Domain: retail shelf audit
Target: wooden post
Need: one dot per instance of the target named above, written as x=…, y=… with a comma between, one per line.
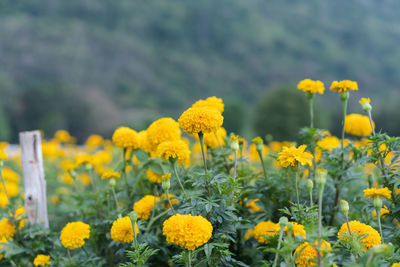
x=34, y=182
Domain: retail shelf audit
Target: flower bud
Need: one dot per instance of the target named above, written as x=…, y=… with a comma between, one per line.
x=88, y=167
x=377, y=203
x=234, y=142
x=365, y=104
x=310, y=185
x=259, y=144
x=112, y=182
x=1, y=163
x=344, y=207
x=165, y=184
x=283, y=221
x=133, y=216
x=380, y=249
x=344, y=95
x=320, y=176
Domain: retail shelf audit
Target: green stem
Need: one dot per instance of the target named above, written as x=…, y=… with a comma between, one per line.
x=297, y=191
x=262, y=163
x=378, y=213
x=174, y=166
x=115, y=197
x=279, y=246
x=344, y=108
x=201, y=139
x=123, y=172
x=234, y=179
x=311, y=200
x=153, y=219
x=321, y=193
x=69, y=256
x=169, y=201
x=370, y=121
x=189, y=258
x=311, y=105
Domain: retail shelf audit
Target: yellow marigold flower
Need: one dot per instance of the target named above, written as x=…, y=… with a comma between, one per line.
x=67, y=179
x=3, y=240
x=19, y=214
x=172, y=198
x=94, y=141
x=329, y=142
x=176, y=149
x=125, y=137
x=3, y=155
x=84, y=178
x=110, y=174
x=253, y=206
x=41, y=260
x=263, y=229
x=210, y=139
x=101, y=157
x=63, y=136
x=122, y=230
x=371, y=239
x=383, y=212
x=144, y=206
x=166, y=176
x=397, y=264
x=52, y=150
x=3, y=199
x=187, y=231
x=162, y=130
x=378, y=192
x=343, y=86
x=55, y=199
x=358, y=125
x=213, y=102
x=257, y=140
x=248, y=234
x=11, y=187
x=67, y=165
x=291, y=156
x=153, y=176
x=10, y=175
x=3, y=145
x=298, y=229
x=364, y=100
x=7, y=230
x=306, y=255
x=73, y=235
x=201, y=119
x=83, y=159
x=144, y=142
x=310, y=86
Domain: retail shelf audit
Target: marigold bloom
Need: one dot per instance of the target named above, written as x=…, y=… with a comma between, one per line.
x=291, y=156
x=172, y=198
x=3, y=155
x=383, y=212
x=210, y=139
x=19, y=214
x=52, y=149
x=153, y=176
x=63, y=136
x=187, y=231
x=343, y=86
x=7, y=230
x=397, y=264
x=371, y=239
x=125, y=137
x=83, y=159
x=358, y=125
x=67, y=165
x=101, y=157
x=201, y=119
x=329, y=142
x=144, y=142
x=378, y=192
x=94, y=141
x=310, y=86
x=73, y=234
x=144, y=206
x=213, y=102
x=176, y=149
x=3, y=199
x=41, y=260
x=164, y=129
x=364, y=100
x=122, y=230
x=253, y=206
x=11, y=187
x=298, y=229
x=263, y=229
x=110, y=174
x=306, y=255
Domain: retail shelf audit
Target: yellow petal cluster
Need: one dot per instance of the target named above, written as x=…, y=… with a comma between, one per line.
x=41, y=260
x=144, y=206
x=306, y=255
x=384, y=211
x=144, y=142
x=94, y=141
x=63, y=136
x=3, y=155
x=343, y=86
x=122, y=230
x=253, y=206
x=310, y=86
x=125, y=137
x=329, y=142
x=153, y=176
x=187, y=231
x=364, y=101
x=7, y=229
x=176, y=149
x=73, y=234
x=358, y=125
x=161, y=130
x=213, y=102
x=254, y=153
x=291, y=156
x=200, y=119
x=378, y=192
x=262, y=229
x=210, y=139
x=371, y=239
x=110, y=174
x=298, y=229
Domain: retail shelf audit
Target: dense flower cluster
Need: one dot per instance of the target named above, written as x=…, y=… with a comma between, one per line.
x=144, y=206
x=125, y=137
x=378, y=192
x=310, y=86
x=187, y=231
x=41, y=260
x=122, y=230
x=371, y=239
x=306, y=255
x=161, y=130
x=73, y=235
x=344, y=86
x=176, y=149
x=292, y=156
x=213, y=102
x=200, y=119
x=358, y=125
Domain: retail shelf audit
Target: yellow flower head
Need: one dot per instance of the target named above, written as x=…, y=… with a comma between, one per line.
x=122, y=230
x=110, y=174
x=10, y=175
x=371, y=239
x=41, y=260
x=176, y=149
x=52, y=149
x=397, y=264
x=7, y=230
x=144, y=142
x=166, y=176
x=263, y=229
x=164, y=129
x=187, y=231
x=364, y=101
x=3, y=154
x=344, y=86
x=383, y=212
x=11, y=187
x=305, y=255
x=291, y=156
x=19, y=214
x=210, y=139
x=3, y=199
x=172, y=198
x=213, y=102
x=144, y=206
x=67, y=165
x=94, y=141
x=329, y=142
x=310, y=86
x=358, y=125
x=73, y=234
x=258, y=140
x=253, y=206
x=83, y=159
x=153, y=176
x=298, y=229
x=125, y=137
x=201, y=119
x=378, y=192
x=63, y=136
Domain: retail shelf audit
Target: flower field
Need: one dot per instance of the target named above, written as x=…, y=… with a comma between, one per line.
x=187, y=193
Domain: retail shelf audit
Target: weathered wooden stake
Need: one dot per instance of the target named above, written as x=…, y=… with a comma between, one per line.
x=34, y=182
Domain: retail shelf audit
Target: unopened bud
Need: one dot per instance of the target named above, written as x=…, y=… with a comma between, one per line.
x=88, y=166
x=165, y=184
x=365, y=104
x=344, y=207
x=320, y=176
x=283, y=221
x=380, y=249
x=112, y=182
x=377, y=202
x=310, y=185
x=234, y=142
x=259, y=143
x=344, y=95
x=133, y=216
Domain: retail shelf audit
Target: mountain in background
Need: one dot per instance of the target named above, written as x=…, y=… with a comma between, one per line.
x=90, y=65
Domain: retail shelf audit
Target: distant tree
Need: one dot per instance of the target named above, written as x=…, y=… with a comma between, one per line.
x=235, y=115
x=4, y=127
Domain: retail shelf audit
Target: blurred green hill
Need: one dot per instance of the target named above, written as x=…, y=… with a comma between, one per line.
x=90, y=65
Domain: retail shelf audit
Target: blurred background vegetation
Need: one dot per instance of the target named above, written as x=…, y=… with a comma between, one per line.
x=90, y=65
